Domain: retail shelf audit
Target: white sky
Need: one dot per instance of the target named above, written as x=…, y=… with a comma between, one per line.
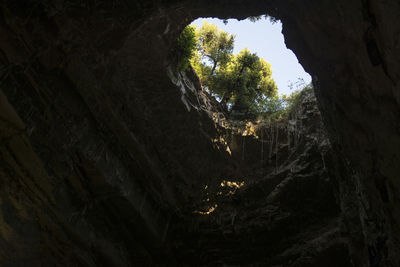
x=265, y=39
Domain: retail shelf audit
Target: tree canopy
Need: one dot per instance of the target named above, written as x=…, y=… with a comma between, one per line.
x=185, y=48
x=242, y=82
x=214, y=45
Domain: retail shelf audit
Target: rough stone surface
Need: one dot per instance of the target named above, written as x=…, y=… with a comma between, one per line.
x=284, y=213
x=102, y=148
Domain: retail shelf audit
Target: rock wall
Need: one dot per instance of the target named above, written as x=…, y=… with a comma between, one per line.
x=97, y=140
x=283, y=213
x=351, y=50
x=102, y=147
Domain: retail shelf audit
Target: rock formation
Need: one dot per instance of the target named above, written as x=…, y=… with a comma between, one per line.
x=105, y=149
x=282, y=213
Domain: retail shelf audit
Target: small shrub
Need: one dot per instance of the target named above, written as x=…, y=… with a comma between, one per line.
x=293, y=99
x=277, y=107
x=185, y=48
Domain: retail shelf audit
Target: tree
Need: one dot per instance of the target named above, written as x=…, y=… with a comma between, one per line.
x=185, y=48
x=214, y=48
x=279, y=106
x=253, y=83
x=241, y=82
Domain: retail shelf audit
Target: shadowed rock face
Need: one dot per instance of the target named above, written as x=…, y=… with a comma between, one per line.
x=282, y=211
x=103, y=149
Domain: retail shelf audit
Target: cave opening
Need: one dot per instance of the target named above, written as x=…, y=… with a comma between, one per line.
x=274, y=180
x=108, y=153
x=257, y=34
x=263, y=35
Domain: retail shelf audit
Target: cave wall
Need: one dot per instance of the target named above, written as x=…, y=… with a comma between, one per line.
x=283, y=213
x=98, y=112
x=108, y=148
x=352, y=61
x=351, y=49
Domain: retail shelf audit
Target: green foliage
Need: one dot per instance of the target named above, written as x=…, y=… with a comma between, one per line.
x=242, y=82
x=215, y=44
x=257, y=18
x=250, y=83
x=277, y=107
x=293, y=98
x=273, y=108
x=185, y=48
x=214, y=49
x=272, y=19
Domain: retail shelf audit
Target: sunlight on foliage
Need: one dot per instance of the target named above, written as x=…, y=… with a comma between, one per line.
x=242, y=82
x=277, y=107
x=185, y=48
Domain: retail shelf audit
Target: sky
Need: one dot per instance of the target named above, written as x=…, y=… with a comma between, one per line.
x=265, y=39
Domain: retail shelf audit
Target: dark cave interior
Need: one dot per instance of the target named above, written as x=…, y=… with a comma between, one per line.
x=104, y=154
